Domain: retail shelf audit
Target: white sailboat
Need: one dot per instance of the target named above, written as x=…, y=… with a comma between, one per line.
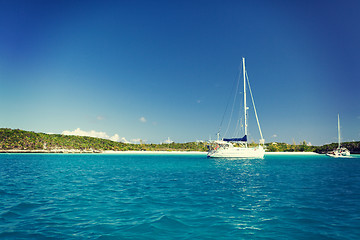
x=225, y=149
x=340, y=152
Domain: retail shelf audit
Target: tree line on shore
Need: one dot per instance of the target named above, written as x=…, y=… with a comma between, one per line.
x=354, y=147
x=16, y=139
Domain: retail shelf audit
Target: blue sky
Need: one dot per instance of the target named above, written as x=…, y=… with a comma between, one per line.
x=157, y=69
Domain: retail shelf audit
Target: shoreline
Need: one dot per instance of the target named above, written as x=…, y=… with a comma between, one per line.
x=106, y=152
x=111, y=152
x=154, y=152
x=292, y=153
x=199, y=153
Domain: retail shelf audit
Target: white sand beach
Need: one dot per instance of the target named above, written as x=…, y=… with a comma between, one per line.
x=197, y=153
x=140, y=152
x=156, y=152
x=291, y=153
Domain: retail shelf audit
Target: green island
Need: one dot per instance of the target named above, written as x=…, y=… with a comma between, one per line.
x=16, y=140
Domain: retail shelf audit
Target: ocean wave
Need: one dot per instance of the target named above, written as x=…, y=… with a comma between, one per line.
x=187, y=197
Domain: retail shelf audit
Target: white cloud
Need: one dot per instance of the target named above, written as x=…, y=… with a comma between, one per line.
x=274, y=136
x=142, y=119
x=115, y=138
x=100, y=118
x=92, y=133
x=123, y=140
x=168, y=141
x=136, y=140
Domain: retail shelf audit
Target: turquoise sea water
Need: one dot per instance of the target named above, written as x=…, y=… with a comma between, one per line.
x=64, y=196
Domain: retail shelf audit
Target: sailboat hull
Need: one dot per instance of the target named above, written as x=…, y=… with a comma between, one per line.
x=238, y=152
x=339, y=153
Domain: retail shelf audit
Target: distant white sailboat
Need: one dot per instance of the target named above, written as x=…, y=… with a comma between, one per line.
x=340, y=152
x=225, y=149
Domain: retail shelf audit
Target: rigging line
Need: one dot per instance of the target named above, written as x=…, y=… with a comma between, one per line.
x=252, y=99
x=238, y=128
x=239, y=125
x=232, y=110
x=227, y=105
x=237, y=119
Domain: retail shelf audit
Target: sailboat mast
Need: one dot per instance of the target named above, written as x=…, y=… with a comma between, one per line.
x=338, y=131
x=245, y=107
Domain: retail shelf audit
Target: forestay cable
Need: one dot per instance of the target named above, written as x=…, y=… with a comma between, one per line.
x=252, y=99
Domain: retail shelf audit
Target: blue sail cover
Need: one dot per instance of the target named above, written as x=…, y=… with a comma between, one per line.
x=243, y=139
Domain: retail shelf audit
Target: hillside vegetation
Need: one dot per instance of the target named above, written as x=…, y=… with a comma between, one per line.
x=354, y=147
x=15, y=139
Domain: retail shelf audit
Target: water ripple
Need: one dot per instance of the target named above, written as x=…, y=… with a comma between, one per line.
x=178, y=197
